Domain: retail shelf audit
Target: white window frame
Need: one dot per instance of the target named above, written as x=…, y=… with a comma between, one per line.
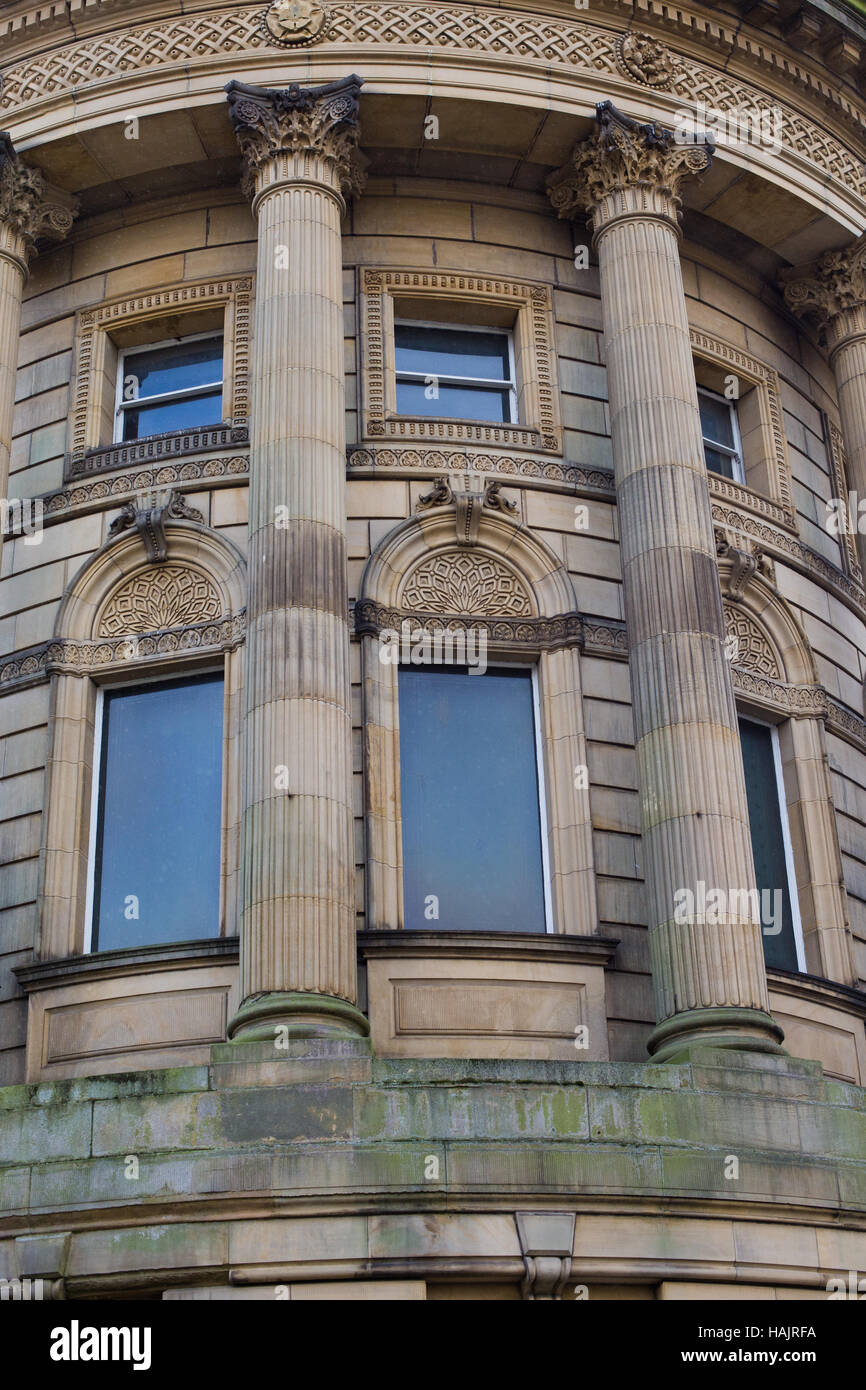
x=113, y=689
x=481, y=383
x=532, y=667
x=786, y=837
x=735, y=453
x=163, y=397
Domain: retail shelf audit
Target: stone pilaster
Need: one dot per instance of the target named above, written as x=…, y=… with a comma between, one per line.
x=27, y=212
x=708, y=967
x=298, y=911
x=833, y=291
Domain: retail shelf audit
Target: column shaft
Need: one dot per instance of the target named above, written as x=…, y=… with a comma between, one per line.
x=298, y=914
x=708, y=967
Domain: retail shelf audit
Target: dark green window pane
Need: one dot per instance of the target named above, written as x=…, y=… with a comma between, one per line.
x=158, y=833
x=470, y=801
x=716, y=423
x=768, y=846
x=451, y=352
x=454, y=402
x=139, y=422
x=176, y=368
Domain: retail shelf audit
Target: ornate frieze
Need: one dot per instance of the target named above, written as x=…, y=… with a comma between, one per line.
x=272, y=124
x=374, y=461
x=625, y=166
x=535, y=634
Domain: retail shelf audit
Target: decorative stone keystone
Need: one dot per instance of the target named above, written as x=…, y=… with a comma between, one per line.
x=709, y=977
x=832, y=291
x=28, y=212
x=298, y=972
x=546, y=1243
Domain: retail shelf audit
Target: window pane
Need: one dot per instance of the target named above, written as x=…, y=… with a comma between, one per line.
x=469, y=781
x=716, y=422
x=141, y=421
x=158, y=837
x=768, y=846
x=717, y=462
x=454, y=402
x=175, y=368
x=451, y=352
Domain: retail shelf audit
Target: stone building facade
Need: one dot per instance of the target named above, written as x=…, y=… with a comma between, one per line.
x=331, y=332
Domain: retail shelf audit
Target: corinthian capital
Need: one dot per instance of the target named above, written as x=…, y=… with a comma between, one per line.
x=298, y=132
x=27, y=209
x=626, y=167
x=830, y=286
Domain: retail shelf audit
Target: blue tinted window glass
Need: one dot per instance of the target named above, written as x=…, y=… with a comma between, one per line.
x=717, y=462
x=451, y=352
x=175, y=368
x=768, y=846
x=716, y=422
x=470, y=801
x=158, y=833
x=141, y=421
x=454, y=402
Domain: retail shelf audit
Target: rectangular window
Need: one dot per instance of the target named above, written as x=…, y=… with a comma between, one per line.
x=722, y=448
x=170, y=386
x=472, y=801
x=771, y=847
x=452, y=372
x=158, y=814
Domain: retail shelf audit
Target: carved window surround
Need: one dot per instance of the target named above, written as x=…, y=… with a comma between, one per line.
x=763, y=433
x=839, y=477
x=420, y=562
x=91, y=427
x=440, y=292
x=110, y=630
x=775, y=678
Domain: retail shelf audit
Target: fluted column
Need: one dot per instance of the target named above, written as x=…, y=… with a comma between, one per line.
x=27, y=211
x=298, y=915
x=708, y=967
x=833, y=290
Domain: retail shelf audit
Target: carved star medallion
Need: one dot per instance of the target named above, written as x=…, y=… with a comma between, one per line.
x=293, y=23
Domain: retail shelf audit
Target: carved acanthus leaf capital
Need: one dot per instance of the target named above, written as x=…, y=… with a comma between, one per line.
x=27, y=207
x=624, y=156
x=299, y=122
x=834, y=283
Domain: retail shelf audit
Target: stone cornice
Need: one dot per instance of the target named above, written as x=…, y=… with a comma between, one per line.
x=626, y=169
x=298, y=133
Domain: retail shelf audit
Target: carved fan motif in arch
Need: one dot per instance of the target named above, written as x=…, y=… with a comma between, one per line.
x=159, y=597
x=477, y=584
x=749, y=645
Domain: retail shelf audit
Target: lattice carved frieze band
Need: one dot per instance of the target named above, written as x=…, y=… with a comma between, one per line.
x=161, y=596
x=235, y=295
x=183, y=43
x=540, y=427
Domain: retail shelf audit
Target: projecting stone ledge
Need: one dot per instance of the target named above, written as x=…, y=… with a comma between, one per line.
x=284, y=1146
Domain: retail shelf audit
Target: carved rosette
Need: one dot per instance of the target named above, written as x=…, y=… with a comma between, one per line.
x=297, y=134
x=625, y=169
x=833, y=290
x=644, y=58
x=27, y=211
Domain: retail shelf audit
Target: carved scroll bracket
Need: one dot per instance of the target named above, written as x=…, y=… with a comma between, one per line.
x=468, y=497
x=148, y=515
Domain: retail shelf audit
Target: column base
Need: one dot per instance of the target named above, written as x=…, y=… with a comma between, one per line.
x=744, y=1030
x=303, y=1015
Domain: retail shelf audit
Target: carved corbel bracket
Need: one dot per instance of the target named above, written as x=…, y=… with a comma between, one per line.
x=744, y=564
x=468, y=496
x=148, y=515
x=546, y=1243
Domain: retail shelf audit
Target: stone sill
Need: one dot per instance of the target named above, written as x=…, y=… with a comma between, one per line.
x=107, y=965
x=156, y=448
x=818, y=990
x=578, y=950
